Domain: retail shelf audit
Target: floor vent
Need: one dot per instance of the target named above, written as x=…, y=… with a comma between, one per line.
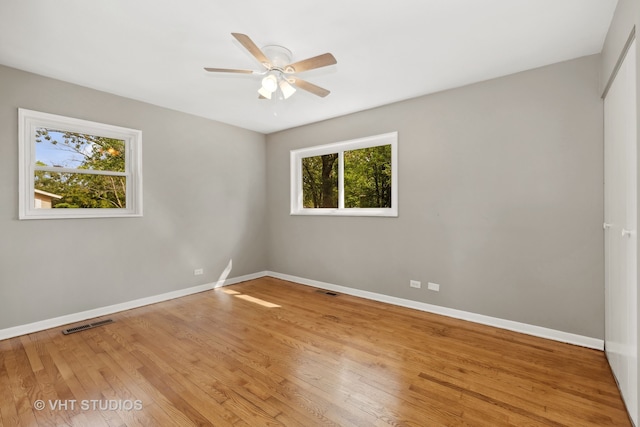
x=87, y=326
x=331, y=294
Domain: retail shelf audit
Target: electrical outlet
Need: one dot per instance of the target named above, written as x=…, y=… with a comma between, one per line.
x=433, y=287
x=415, y=284
x=198, y=272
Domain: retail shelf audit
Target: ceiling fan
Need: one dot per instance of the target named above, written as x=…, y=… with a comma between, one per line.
x=278, y=70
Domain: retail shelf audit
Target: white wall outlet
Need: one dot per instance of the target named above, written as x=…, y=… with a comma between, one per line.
x=415, y=284
x=198, y=272
x=433, y=287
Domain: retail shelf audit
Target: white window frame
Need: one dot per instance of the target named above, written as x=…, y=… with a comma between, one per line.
x=296, y=157
x=29, y=121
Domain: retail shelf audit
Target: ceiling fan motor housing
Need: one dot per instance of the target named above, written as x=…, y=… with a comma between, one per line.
x=280, y=56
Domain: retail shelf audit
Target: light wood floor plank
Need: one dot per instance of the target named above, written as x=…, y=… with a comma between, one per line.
x=8, y=412
x=22, y=384
x=275, y=353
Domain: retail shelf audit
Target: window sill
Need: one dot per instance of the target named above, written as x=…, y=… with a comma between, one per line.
x=359, y=212
x=78, y=213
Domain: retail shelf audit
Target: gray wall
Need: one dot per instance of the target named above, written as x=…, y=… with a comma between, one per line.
x=204, y=204
x=500, y=201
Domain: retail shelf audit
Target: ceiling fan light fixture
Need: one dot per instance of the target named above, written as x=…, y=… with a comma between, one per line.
x=278, y=79
x=264, y=93
x=270, y=83
x=287, y=89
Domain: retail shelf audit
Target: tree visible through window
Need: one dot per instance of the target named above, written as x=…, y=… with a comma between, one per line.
x=320, y=181
x=83, y=152
x=367, y=177
x=356, y=177
x=72, y=168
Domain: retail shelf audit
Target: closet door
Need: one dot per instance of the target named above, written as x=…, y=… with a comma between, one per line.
x=621, y=278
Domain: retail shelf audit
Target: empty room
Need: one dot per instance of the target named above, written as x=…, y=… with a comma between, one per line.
x=412, y=213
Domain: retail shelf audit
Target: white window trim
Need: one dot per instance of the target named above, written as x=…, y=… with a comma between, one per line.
x=296, y=157
x=29, y=121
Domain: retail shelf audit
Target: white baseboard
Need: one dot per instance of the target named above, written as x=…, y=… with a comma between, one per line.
x=103, y=311
x=537, y=331
x=524, y=328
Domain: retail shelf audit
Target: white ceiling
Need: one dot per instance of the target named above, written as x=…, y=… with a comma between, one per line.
x=387, y=51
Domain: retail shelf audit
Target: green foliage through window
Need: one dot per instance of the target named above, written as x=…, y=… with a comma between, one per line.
x=358, y=177
x=367, y=177
x=75, y=168
x=91, y=169
x=320, y=181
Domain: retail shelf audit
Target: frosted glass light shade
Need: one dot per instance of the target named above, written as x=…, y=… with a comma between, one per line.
x=265, y=93
x=286, y=88
x=270, y=83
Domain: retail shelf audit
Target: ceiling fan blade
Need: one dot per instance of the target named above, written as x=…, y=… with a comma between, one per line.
x=228, y=70
x=311, y=63
x=309, y=87
x=253, y=49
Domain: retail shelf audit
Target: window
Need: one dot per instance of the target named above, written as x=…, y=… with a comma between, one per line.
x=72, y=168
x=357, y=177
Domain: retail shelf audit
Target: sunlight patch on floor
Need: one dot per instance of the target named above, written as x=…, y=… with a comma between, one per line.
x=257, y=301
x=250, y=298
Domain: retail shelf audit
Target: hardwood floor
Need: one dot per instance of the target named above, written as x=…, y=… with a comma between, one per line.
x=303, y=358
